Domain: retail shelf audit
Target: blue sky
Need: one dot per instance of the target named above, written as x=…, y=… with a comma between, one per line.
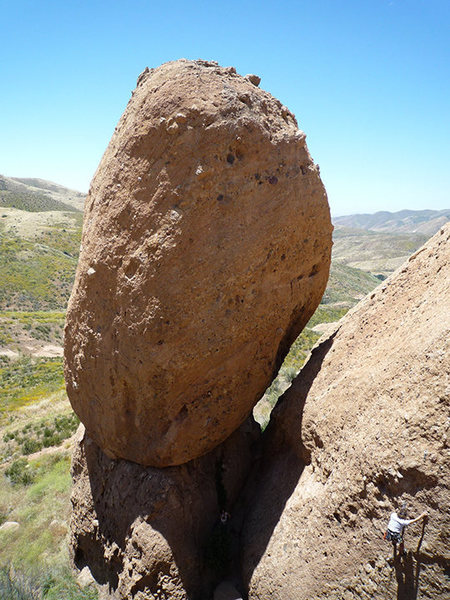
x=369, y=82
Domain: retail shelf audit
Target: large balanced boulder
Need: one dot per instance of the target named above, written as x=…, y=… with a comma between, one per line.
x=205, y=250
x=363, y=430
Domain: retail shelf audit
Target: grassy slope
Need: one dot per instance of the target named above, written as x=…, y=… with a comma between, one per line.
x=27, y=380
x=38, y=195
x=31, y=201
x=348, y=284
x=19, y=328
x=38, y=258
x=37, y=563
x=35, y=492
x=37, y=274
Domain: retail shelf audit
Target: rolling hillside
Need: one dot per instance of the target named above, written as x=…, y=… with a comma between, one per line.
x=379, y=253
x=38, y=257
x=425, y=222
x=37, y=195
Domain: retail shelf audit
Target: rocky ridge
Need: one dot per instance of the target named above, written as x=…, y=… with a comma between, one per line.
x=363, y=430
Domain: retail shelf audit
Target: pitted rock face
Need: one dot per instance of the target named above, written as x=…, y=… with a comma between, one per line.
x=362, y=431
x=206, y=249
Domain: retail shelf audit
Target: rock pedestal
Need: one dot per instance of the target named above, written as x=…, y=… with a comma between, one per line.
x=146, y=532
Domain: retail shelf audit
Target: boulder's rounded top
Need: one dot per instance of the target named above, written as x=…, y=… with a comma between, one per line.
x=204, y=86
x=173, y=67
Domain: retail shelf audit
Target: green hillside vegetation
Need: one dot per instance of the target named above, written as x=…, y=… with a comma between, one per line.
x=40, y=325
x=347, y=285
x=32, y=202
x=37, y=497
x=27, y=380
x=44, y=433
x=35, y=489
x=37, y=274
x=36, y=195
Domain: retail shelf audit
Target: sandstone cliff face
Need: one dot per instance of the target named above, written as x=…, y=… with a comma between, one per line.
x=146, y=532
x=206, y=249
x=363, y=429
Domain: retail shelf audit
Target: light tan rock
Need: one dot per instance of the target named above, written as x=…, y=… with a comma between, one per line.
x=58, y=528
x=205, y=250
x=146, y=532
x=9, y=526
x=84, y=578
x=363, y=429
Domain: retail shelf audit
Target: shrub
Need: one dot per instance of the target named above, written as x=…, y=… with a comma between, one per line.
x=17, y=586
x=20, y=472
x=62, y=585
x=290, y=373
x=43, y=434
x=31, y=445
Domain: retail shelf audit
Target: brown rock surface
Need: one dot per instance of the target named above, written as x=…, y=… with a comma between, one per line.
x=206, y=248
x=363, y=429
x=145, y=532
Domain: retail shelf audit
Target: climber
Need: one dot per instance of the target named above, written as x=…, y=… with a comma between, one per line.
x=396, y=525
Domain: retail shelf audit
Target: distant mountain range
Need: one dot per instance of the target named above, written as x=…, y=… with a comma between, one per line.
x=426, y=222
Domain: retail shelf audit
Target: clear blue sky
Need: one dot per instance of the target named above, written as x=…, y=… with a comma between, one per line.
x=369, y=82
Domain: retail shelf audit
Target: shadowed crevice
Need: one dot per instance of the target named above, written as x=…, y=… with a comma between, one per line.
x=276, y=471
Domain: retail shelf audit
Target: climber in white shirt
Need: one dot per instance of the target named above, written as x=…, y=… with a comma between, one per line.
x=397, y=524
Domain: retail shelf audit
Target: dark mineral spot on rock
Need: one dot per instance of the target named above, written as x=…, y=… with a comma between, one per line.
x=314, y=270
